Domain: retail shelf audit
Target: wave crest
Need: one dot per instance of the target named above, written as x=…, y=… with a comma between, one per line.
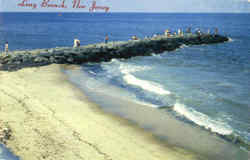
x=146, y=85
x=203, y=120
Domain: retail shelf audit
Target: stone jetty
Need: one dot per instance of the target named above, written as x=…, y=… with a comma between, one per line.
x=102, y=52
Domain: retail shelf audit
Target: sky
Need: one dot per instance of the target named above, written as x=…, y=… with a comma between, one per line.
x=232, y=6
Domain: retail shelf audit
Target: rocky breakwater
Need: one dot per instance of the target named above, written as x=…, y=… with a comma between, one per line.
x=102, y=52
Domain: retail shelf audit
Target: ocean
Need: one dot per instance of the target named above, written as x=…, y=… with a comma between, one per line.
x=205, y=86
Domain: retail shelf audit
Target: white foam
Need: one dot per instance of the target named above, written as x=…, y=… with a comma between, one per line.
x=159, y=56
x=146, y=85
x=93, y=73
x=183, y=46
x=116, y=68
x=203, y=120
x=97, y=86
x=145, y=103
x=230, y=39
x=126, y=70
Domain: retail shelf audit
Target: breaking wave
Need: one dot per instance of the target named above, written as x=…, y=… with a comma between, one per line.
x=126, y=72
x=146, y=85
x=153, y=94
x=203, y=120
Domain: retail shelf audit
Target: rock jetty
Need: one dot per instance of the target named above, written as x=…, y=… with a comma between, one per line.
x=102, y=52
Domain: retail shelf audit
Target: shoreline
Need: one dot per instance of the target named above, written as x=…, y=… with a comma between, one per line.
x=162, y=124
x=50, y=118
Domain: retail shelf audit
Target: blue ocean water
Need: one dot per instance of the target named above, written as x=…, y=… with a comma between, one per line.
x=208, y=85
x=5, y=154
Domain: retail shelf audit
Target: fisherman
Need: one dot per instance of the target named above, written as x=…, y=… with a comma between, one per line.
x=179, y=32
x=166, y=32
x=106, y=39
x=134, y=37
x=208, y=31
x=169, y=34
x=198, y=32
x=6, y=48
x=76, y=43
x=182, y=33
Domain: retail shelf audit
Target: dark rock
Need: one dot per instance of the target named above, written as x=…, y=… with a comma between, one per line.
x=103, y=52
x=70, y=60
x=40, y=59
x=52, y=60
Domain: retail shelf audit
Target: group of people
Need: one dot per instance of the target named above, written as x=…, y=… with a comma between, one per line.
x=75, y=45
x=169, y=34
x=188, y=31
x=77, y=42
x=179, y=32
x=134, y=37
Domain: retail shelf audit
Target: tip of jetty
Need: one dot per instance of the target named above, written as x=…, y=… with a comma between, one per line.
x=102, y=52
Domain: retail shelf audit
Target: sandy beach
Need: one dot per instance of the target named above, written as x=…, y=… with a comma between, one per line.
x=50, y=119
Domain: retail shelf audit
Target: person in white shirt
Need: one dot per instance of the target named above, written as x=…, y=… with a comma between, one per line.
x=166, y=32
x=76, y=43
x=179, y=32
x=6, y=47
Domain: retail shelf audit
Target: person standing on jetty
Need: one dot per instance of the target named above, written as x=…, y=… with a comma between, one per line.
x=198, y=32
x=6, y=47
x=166, y=32
x=106, y=39
x=76, y=43
x=179, y=32
x=134, y=37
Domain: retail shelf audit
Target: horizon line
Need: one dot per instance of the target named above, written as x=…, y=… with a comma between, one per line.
x=124, y=12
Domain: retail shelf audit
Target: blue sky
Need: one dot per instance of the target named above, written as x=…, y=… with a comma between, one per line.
x=233, y=6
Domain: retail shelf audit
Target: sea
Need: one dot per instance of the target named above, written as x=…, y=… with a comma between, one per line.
x=205, y=87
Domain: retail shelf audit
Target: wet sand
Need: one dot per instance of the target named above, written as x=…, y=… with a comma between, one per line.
x=51, y=119
x=161, y=122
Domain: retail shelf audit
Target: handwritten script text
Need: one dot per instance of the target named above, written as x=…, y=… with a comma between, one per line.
x=74, y=4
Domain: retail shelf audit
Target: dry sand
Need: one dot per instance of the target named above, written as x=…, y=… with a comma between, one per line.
x=51, y=119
